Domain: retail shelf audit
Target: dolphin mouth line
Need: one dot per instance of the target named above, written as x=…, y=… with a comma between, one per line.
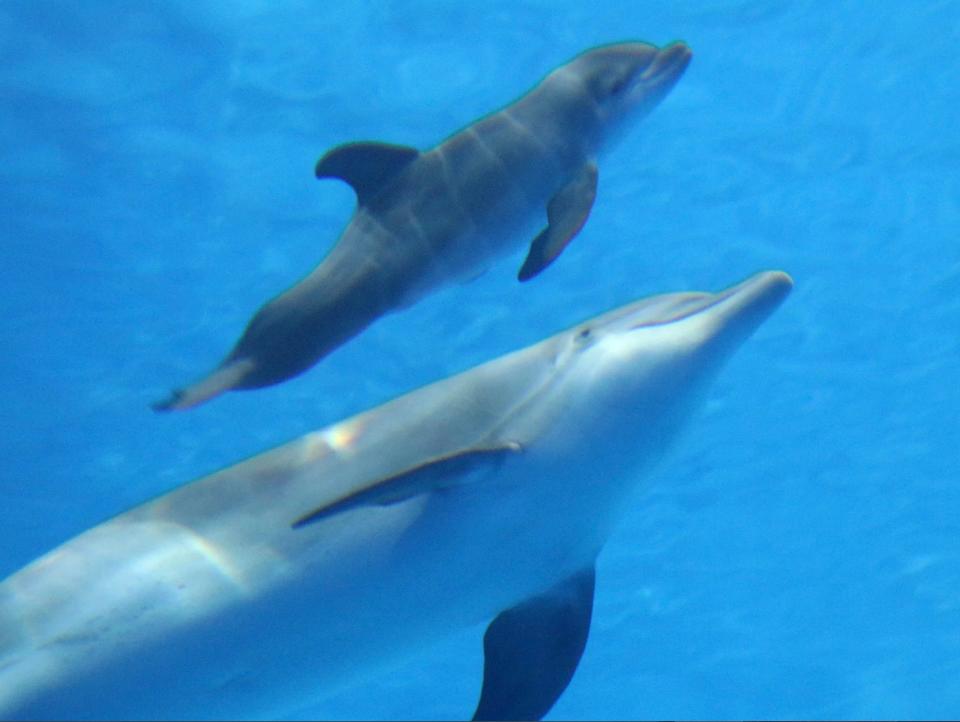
x=681, y=316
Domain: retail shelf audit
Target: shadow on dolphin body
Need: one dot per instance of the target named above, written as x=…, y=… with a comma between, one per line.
x=425, y=219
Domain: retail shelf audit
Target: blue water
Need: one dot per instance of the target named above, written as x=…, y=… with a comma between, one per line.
x=799, y=554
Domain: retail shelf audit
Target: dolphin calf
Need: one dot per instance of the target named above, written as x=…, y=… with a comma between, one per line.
x=485, y=496
x=427, y=219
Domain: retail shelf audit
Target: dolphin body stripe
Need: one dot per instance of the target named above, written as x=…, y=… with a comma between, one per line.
x=484, y=496
x=424, y=220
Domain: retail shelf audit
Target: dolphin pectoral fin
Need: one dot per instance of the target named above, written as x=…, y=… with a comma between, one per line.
x=441, y=472
x=566, y=213
x=531, y=651
x=367, y=166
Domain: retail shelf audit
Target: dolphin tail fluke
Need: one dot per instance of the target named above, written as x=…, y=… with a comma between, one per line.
x=223, y=379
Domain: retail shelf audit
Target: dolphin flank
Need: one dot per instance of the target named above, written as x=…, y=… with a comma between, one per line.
x=427, y=219
x=482, y=498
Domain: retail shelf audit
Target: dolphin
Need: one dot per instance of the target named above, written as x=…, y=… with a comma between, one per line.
x=424, y=220
x=485, y=496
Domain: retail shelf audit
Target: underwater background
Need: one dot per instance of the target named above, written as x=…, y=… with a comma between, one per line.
x=799, y=553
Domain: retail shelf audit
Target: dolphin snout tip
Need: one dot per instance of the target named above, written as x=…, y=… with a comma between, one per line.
x=768, y=287
x=778, y=279
x=782, y=282
x=678, y=50
x=677, y=54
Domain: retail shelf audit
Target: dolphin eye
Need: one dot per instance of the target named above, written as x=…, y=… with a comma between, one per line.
x=584, y=334
x=618, y=80
x=608, y=85
x=618, y=86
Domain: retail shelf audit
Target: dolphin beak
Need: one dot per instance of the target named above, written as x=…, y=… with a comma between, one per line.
x=759, y=294
x=734, y=314
x=668, y=65
x=652, y=83
x=743, y=306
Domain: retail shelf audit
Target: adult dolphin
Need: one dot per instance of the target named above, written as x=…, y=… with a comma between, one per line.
x=427, y=219
x=484, y=496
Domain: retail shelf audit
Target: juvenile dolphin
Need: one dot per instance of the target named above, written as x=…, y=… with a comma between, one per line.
x=487, y=495
x=427, y=219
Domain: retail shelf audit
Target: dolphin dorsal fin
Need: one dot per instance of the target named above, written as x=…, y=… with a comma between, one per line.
x=367, y=166
x=440, y=472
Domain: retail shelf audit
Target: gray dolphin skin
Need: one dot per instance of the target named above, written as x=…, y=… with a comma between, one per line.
x=262, y=588
x=424, y=220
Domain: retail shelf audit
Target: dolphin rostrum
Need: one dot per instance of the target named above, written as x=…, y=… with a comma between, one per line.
x=487, y=495
x=426, y=219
